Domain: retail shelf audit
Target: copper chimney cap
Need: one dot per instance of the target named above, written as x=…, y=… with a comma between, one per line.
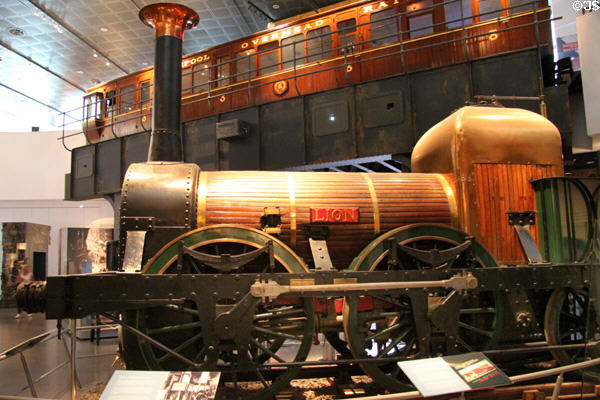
x=169, y=19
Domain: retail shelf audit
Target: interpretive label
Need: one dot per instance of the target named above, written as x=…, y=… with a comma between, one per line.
x=161, y=385
x=452, y=374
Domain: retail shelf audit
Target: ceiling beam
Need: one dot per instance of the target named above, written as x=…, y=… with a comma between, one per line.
x=250, y=30
x=36, y=100
x=389, y=166
x=31, y=60
x=260, y=11
x=136, y=5
x=73, y=32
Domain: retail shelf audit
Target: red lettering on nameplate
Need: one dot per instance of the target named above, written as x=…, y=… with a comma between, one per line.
x=334, y=215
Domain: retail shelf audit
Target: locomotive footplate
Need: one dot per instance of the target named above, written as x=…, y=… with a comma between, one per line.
x=240, y=321
x=75, y=296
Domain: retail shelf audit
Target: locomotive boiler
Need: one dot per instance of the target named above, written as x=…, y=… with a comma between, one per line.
x=484, y=244
x=474, y=167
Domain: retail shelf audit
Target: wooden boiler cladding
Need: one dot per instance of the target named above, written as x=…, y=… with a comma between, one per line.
x=384, y=202
x=355, y=207
x=490, y=154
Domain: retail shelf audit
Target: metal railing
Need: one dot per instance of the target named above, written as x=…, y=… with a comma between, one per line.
x=46, y=336
x=19, y=349
x=339, y=58
x=560, y=371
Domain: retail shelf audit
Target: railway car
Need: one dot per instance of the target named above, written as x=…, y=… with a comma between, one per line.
x=349, y=43
x=484, y=245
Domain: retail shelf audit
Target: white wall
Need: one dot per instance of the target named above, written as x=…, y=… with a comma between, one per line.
x=32, y=177
x=588, y=32
x=33, y=165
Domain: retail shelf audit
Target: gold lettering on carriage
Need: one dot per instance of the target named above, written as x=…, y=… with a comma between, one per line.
x=380, y=5
x=284, y=33
x=195, y=60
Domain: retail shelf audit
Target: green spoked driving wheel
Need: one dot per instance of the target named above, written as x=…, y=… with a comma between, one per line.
x=383, y=326
x=281, y=330
x=570, y=319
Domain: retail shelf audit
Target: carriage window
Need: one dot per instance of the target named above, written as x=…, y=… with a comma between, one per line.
x=268, y=58
x=384, y=27
x=244, y=62
x=420, y=25
x=110, y=102
x=292, y=47
x=127, y=100
x=145, y=93
x=223, y=71
x=346, y=30
x=93, y=105
x=89, y=108
x=452, y=11
x=201, y=76
x=489, y=6
x=186, y=80
x=318, y=44
x=527, y=6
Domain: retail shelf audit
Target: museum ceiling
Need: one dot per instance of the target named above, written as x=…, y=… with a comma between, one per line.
x=51, y=51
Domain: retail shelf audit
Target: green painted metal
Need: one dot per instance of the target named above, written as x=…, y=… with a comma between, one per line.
x=223, y=233
x=373, y=258
x=369, y=255
x=569, y=319
x=185, y=321
x=567, y=217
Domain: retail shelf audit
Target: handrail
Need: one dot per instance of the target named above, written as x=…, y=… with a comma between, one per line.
x=215, y=90
x=42, y=338
x=27, y=344
x=515, y=379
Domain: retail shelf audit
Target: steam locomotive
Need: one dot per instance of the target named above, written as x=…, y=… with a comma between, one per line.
x=484, y=244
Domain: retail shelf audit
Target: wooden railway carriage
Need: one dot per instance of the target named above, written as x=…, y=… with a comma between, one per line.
x=344, y=44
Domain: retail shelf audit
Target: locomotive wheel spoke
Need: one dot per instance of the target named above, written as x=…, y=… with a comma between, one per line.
x=266, y=350
x=273, y=333
x=568, y=315
x=486, y=310
x=186, y=310
x=386, y=328
x=200, y=354
x=274, y=316
x=464, y=344
x=475, y=329
x=383, y=332
x=194, y=265
x=394, y=343
x=569, y=319
x=182, y=346
x=374, y=316
x=174, y=328
x=392, y=302
x=180, y=327
x=261, y=378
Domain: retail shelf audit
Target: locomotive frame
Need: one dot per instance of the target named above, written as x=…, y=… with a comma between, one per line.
x=227, y=297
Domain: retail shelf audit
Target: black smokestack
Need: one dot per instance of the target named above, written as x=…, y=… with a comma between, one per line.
x=169, y=20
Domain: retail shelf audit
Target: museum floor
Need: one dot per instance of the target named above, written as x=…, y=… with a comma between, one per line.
x=46, y=356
